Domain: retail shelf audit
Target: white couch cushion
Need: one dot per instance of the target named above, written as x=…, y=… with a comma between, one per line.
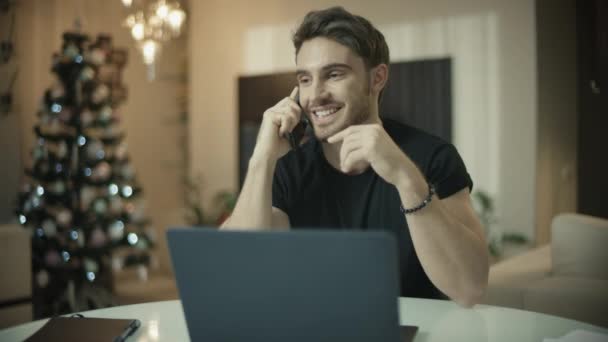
x=580, y=246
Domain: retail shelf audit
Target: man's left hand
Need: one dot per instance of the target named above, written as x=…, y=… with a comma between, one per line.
x=364, y=145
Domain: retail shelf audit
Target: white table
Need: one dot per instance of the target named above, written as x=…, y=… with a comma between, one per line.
x=437, y=321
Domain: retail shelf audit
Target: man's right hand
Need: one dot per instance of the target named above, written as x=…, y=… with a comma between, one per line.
x=277, y=122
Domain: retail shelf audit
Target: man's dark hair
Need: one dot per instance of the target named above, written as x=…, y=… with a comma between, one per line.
x=350, y=30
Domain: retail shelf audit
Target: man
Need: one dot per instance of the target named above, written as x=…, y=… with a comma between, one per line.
x=362, y=172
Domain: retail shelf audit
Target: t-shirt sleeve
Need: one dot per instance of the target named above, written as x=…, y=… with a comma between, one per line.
x=279, y=187
x=447, y=172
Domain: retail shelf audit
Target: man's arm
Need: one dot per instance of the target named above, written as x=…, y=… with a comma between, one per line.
x=450, y=243
x=253, y=209
x=447, y=235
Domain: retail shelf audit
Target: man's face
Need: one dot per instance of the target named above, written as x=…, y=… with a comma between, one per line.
x=334, y=86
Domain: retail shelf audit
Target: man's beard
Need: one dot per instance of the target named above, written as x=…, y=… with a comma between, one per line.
x=360, y=107
x=360, y=113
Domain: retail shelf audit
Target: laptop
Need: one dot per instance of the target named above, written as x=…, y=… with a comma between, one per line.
x=305, y=285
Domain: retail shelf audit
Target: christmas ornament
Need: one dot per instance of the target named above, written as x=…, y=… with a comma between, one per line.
x=100, y=94
x=58, y=187
x=49, y=227
x=71, y=51
x=142, y=273
x=117, y=263
x=100, y=206
x=142, y=244
x=86, y=118
x=65, y=116
x=90, y=265
x=42, y=278
x=36, y=201
x=120, y=152
x=87, y=194
x=95, y=150
x=105, y=114
x=116, y=205
x=27, y=207
x=62, y=150
x=57, y=91
x=87, y=74
x=116, y=230
x=38, y=153
x=98, y=238
x=52, y=258
x=108, y=74
x=102, y=171
x=64, y=217
x=96, y=56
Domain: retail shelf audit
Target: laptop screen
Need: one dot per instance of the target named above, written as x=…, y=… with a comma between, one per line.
x=279, y=286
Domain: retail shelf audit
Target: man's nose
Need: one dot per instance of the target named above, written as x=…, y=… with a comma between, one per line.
x=318, y=93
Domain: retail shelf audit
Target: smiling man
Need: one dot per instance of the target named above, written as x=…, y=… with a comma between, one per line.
x=360, y=171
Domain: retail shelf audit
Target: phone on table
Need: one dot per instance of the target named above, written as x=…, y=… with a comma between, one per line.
x=297, y=134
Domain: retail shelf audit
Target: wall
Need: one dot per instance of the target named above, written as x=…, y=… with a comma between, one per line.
x=556, y=176
x=492, y=42
x=148, y=117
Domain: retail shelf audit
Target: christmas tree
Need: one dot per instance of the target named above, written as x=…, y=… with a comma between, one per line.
x=80, y=199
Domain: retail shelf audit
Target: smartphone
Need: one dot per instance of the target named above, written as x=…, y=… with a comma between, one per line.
x=297, y=134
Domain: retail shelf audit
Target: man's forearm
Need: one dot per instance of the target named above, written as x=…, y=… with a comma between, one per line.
x=253, y=208
x=452, y=254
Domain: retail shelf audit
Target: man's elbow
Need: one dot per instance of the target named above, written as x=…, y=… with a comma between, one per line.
x=471, y=297
x=473, y=291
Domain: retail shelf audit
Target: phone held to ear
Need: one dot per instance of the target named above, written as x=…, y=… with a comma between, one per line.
x=297, y=134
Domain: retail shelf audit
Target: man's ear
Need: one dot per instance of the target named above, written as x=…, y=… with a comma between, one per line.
x=379, y=77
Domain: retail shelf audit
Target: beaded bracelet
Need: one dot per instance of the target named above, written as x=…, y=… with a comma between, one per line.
x=424, y=203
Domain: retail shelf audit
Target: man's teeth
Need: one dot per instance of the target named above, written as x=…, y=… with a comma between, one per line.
x=326, y=112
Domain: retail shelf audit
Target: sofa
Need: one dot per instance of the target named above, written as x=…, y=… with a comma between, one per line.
x=15, y=275
x=567, y=277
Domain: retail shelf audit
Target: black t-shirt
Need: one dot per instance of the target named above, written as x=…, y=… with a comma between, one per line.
x=315, y=195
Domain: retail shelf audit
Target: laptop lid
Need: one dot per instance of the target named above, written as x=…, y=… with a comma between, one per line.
x=287, y=286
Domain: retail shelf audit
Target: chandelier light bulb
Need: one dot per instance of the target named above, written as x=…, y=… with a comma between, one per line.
x=150, y=50
x=127, y=3
x=176, y=19
x=162, y=11
x=138, y=31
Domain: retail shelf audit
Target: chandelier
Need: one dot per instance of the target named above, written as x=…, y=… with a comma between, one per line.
x=153, y=23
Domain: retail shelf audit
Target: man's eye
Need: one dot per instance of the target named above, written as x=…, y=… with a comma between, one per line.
x=335, y=74
x=303, y=80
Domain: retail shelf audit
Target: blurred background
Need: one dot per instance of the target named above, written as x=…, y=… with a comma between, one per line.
x=515, y=85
